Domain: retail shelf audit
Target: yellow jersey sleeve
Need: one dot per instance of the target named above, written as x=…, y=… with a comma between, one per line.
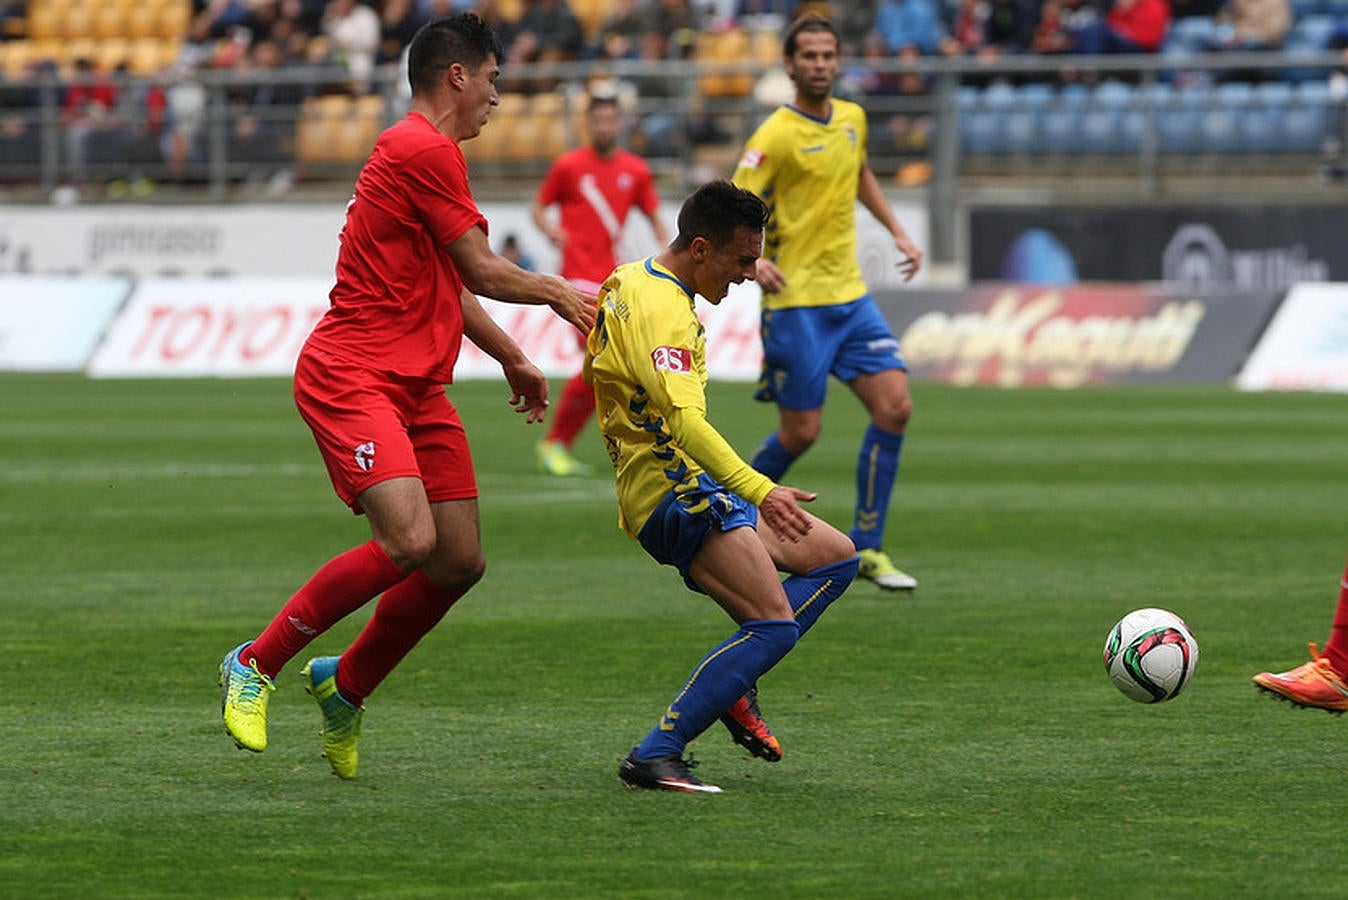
x=807, y=171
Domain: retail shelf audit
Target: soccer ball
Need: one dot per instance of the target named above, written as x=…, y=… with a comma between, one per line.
x=1150, y=655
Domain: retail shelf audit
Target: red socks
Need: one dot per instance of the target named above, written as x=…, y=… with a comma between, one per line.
x=405, y=613
x=1337, y=648
x=573, y=410
x=346, y=583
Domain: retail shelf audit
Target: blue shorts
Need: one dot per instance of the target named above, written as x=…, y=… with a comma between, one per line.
x=804, y=345
x=676, y=529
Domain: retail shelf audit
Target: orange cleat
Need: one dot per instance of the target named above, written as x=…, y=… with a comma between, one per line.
x=1315, y=684
x=748, y=728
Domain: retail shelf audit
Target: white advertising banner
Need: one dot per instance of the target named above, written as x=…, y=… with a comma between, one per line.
x=1305, y=347
x=50, y=323
x=212, y=326
x=301, y=240
x=256, y=326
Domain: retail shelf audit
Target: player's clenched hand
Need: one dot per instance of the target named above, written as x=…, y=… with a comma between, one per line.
x=781, y=510
x=576, y=307
x=528, y=390
x=768, y=276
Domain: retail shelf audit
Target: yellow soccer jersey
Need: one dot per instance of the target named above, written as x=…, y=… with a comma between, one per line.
x=807, y=171
x=646, y=359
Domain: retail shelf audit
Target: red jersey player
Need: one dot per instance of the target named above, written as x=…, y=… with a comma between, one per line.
x=370, y=384
x=593, y=188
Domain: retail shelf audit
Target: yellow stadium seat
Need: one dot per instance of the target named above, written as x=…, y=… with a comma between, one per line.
x=141, y=22
x=173, y=19
x=44, y=22
x=78, y=21
x=109, y=22
x=720, y=47
x=111, y=53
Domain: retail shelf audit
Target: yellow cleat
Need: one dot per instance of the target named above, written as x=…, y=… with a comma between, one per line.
x=341, y=720
x=555, y=459
x=879, y=568
x=1315, y=684
x=243, y=700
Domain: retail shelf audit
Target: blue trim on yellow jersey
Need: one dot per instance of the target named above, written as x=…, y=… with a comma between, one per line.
x=824, y=121
x=667, y=276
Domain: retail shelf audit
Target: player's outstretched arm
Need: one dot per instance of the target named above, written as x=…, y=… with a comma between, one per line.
x=485, y=272
x=528, y=385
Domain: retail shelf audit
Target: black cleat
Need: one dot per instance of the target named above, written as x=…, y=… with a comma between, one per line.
x=664, y=773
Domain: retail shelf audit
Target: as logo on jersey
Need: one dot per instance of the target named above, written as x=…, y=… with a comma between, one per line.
x=752, y=159
x=672, y=359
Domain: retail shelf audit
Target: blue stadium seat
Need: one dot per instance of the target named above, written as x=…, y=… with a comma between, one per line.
x=1308, y=37
x=1191, y=34
x=1303, y=8
x=1306, y=121
x=1179, y=117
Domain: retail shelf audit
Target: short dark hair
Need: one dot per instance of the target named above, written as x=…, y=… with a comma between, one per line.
x=463, y=38
x=810, y=21
x=715, y=211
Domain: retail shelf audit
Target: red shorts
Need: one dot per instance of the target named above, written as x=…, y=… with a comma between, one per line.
x=372, y=426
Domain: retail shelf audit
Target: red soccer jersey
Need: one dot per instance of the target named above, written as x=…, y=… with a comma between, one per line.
x=594, y=194
x=395, y=306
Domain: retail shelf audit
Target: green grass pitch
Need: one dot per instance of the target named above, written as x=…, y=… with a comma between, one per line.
x=960, y=742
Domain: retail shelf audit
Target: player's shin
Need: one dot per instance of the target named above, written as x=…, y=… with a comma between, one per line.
x=771, y=457
x=877, y=470
x=810, y=594
x=719, y=680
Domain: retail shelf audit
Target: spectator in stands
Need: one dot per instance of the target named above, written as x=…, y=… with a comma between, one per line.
x=490, y=11
x=399, y=21
x=914, y=24
x=141, y=110
x=680, y=22
x=218, y=16
x=1252, y=25
x=88, y=125
x=355, y=32
x=621, y=32
x=20, y=101
x=511, y=250
x=1130, y=26
x=185, y=117
x=548, y=32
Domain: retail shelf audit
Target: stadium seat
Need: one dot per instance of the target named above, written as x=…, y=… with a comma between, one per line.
x=1178, y=117
x=43, y=22
x=1308, y=37
x=723, y=47
x=1305, y=123
x=173, y=19
x=1303, y=8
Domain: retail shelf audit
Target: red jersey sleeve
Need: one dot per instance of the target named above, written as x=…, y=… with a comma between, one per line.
x=437, y=183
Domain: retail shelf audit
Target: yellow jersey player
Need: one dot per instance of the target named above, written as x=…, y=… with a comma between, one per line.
x=807, y=161
x=686, y=496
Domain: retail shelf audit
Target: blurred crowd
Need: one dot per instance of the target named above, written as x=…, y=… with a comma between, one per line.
x=160, y=120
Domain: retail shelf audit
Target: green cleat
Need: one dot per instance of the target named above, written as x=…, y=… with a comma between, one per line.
x=555, y=459
x=876, y=566
x=243, y=700
x=341, y=720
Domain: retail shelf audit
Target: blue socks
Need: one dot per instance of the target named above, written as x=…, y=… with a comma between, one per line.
x=771, y=458
x=810, y=594
x=877, y=469
x=718, y=681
